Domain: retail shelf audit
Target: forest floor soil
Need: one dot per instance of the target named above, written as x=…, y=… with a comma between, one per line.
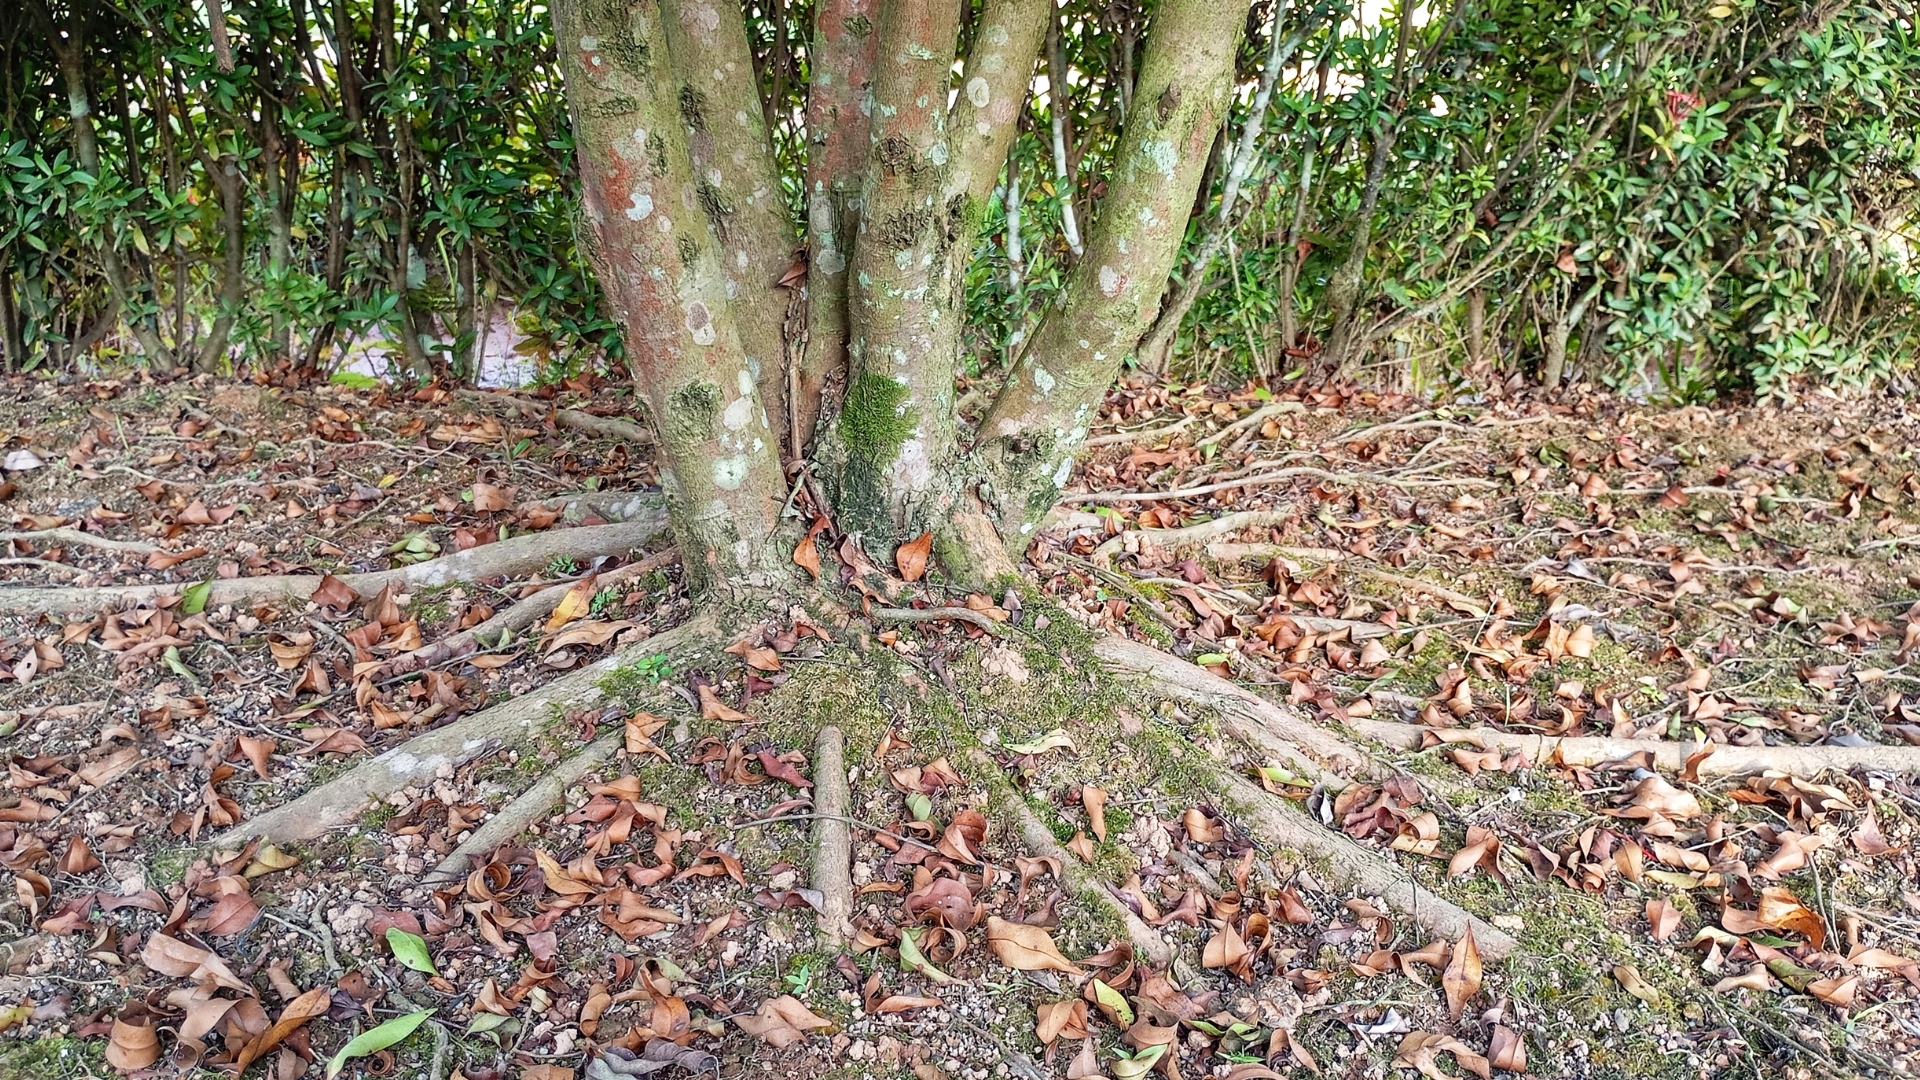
x=1739, y=576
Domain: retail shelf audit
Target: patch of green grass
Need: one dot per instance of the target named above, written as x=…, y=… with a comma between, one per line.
x=54, y=1058
x=169, y=862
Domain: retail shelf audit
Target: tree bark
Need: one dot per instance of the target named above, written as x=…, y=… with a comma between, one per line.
x=1029, y=435
x=896, y=425
x=736, y=179
x=1057, y=121
x=1157, y=350
x=659, y=260
x=1476, y=327
x=12, y=340
x=844, y=44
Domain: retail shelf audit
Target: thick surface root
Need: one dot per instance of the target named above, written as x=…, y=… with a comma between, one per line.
x=1146, y=941
x=1312, y=753
x=512, y=557
x=1359, y=869
x=519, y=815
x=1669, y=755
x=522, y=614
x=516, y=722
x=586, y=423
x=1309, y=751
x=832, y=835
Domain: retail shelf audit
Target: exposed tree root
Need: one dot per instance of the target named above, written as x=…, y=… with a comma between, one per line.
x=1191, y=536
x=519, y=815
x=1311, y=753
x=515, y=722
x=508, y=558
x=513, y=620
x=16, y=955
x=1404, y=483
x=1308, y=751
x=1230, y=552
x=604, y=506
x=84, y=539
x=1358, y=869
x=1081, y=881
x=1668, y=754
x=586, y=423
x=1141, y=434
x=832, y=836
x=1207, y=534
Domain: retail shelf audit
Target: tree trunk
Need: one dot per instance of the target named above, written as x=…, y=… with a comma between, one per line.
x=228, y=181
x=1476, y=327
x=659, y=260
x=842, y=65
x=12, y=340
x=1157, y=350
x=1057, y=122
x=887, y=264
x=69, y=52
x=736, y=180
x=1029, y=435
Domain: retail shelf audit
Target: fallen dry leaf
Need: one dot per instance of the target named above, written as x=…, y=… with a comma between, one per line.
x=782, y=1021
x=1061, y=1020
x=1662, y=918
x=712, y=708
x=133, y=1043
x=1507, y=1051
x=912, y=556
x=1095, y=800
x=1417, y=1050
x=1779, y=910
x=314, y=1002
x=171, y=956
x=577, y=602
x=1631, y=981
x=1026, y=948
x=1461, y=979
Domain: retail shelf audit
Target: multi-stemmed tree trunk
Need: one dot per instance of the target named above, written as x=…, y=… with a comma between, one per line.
x=751, y=398
x=905, y=141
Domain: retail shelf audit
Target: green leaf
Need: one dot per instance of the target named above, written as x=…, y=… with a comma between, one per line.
x=194, y=600
x=171, y=658
x=1278, y=775
x=919, y=806
x=410, y=950
x=486, y=1021
x=912, y=959
x=1210, y=658
x=1114, y=1000
x=377, y=1039
x=1138, y=1065
x=354, y=379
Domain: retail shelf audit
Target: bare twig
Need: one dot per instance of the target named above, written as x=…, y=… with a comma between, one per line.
x=938, y=614
x=514, y=619
x=1140, y=434
x=519, y=815
x=507, y=558
x=586, y=423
